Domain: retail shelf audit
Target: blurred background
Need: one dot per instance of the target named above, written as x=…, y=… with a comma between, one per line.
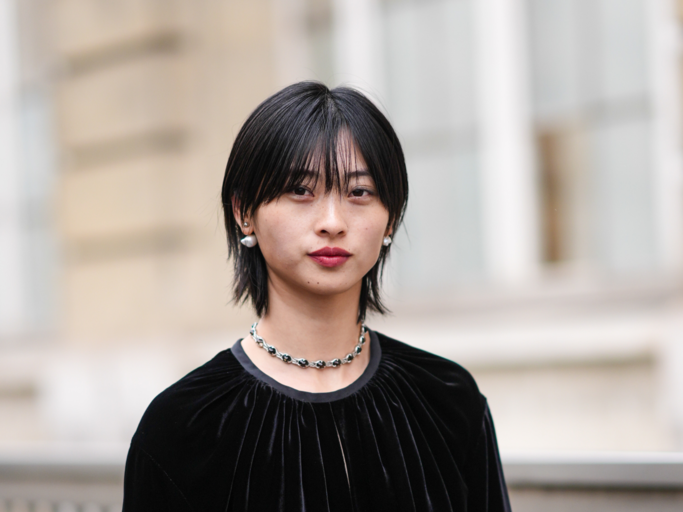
x=543, y=244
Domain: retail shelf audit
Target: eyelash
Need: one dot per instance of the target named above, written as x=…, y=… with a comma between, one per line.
x=369, y=192
x=294, y=190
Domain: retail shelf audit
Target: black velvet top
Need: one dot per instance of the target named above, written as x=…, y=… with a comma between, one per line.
x=412, y=433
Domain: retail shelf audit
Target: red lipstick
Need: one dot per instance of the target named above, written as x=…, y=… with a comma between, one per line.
x=330, y=256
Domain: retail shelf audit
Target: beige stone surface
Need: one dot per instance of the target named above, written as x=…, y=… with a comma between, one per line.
x=153, y=95
x=144, y=95
x=21, y=420
x=90, y=25
x=148, y=293
x=110, y=299
x=123, y=197
x=590, y=406
x=206, y=294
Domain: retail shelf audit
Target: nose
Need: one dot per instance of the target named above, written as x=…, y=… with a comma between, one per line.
x=331, y=221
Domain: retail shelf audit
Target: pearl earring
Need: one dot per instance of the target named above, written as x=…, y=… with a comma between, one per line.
x=246, y=224
x=387, y=241
x=249, y=241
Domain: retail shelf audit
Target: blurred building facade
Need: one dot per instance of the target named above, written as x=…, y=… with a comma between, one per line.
x=543, y=246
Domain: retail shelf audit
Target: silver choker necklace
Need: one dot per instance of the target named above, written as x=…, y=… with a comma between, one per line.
x=303, y=363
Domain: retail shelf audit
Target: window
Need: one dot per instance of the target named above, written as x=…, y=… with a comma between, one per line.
x=431, y=100
x=593, y=123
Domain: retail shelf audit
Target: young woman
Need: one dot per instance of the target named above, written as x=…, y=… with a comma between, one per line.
x=313, y=411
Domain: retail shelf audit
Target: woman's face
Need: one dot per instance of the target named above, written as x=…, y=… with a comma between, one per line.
x=321, y=243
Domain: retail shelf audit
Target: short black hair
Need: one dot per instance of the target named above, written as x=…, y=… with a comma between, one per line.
x=291, y=133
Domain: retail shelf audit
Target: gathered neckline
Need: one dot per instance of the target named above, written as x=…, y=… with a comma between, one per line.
x=309, y=396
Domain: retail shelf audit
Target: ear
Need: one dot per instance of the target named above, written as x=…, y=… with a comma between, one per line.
x=389, y=231
x=238, y=217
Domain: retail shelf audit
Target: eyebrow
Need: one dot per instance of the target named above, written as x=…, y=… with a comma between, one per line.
x=358, y=173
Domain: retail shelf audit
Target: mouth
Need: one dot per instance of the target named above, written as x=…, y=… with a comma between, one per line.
x=330, y=256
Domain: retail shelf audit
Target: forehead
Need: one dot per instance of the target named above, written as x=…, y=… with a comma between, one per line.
x=336, y=164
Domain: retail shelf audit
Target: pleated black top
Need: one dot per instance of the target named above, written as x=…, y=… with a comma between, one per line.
x=413, y=433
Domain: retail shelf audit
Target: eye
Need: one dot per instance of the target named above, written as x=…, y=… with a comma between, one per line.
x=300, y=191
x=360, y=192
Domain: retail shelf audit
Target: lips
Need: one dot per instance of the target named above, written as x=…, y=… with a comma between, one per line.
x=330, y=256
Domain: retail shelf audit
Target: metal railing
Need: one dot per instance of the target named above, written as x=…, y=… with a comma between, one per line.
x=595, y=482
x=61, y=482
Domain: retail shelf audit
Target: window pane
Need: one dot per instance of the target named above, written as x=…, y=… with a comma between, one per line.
x=431, y=91
x=430, y=65
x=623, y=207
x=622, y=60
x=556, y=71
x=443, y=245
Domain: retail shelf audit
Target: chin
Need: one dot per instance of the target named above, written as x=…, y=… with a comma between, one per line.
x=327, y=288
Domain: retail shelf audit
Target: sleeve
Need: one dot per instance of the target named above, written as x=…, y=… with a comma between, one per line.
x=147, y=487
x=483, y=474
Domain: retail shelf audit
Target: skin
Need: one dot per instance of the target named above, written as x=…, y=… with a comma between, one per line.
x=313, y=309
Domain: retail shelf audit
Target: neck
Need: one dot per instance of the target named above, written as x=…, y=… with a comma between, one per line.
x=313, y=327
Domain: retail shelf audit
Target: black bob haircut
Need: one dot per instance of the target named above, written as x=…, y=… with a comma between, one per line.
x=306, y=127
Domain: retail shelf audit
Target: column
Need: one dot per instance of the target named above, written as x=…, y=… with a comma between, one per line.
x=357, y=26
x=666, y=91
x=505, y=141
x=12, y=301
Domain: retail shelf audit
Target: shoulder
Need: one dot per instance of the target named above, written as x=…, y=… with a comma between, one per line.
x=416, y=360
x=191, y=404
x=433, y=375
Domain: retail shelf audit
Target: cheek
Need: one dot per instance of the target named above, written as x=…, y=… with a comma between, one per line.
x=373, y=233
x=380, y=222
x=277, y=235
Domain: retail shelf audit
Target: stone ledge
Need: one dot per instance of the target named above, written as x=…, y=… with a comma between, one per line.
x=603, y=470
